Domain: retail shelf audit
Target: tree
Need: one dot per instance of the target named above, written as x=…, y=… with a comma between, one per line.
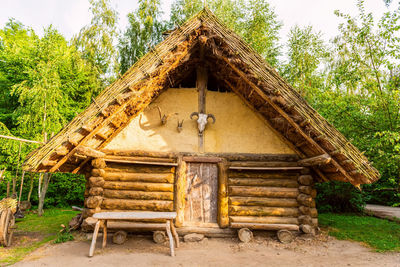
x=254, y=20
x=96, y=40
x=364, y=102
x=144, y=31
x=306, y=53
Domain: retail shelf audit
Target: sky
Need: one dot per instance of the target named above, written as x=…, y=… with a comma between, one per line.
x=69, y=16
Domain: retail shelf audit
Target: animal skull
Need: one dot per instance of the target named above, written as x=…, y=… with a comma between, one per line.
x=202, y=120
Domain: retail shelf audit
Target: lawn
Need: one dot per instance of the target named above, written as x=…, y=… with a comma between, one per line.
x=381, y=235
x=34, y=231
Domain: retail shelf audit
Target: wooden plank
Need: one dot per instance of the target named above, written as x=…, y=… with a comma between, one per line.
x=281, y=192
x=264, y=182
x=134, y=215
x=263, y=226
x=262, y=211
x=259, y=201
x=148, y=159
x=263, y=175
x=138, y=168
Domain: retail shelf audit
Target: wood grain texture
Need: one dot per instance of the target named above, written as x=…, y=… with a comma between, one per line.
x=223, y=208
x=131, y=194
x=262, y=211
x=130, y=204
x=262, y=201
x=280, y=192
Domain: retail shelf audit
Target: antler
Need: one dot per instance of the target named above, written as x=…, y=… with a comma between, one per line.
x=194, y=114
x=212, y=117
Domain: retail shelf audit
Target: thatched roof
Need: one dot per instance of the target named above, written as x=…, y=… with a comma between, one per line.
x=236, y=67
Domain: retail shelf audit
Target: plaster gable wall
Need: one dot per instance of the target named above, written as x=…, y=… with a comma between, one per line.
x=237, y=129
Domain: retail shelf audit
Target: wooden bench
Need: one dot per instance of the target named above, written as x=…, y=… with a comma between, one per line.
x=103, y=217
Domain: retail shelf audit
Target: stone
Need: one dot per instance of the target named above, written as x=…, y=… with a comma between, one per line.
x=193, y=237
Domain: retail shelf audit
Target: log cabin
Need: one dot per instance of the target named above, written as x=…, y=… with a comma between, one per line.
x=203, y=126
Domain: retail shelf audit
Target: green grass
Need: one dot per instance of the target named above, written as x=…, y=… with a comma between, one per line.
x=380, y=234
x=33, y=232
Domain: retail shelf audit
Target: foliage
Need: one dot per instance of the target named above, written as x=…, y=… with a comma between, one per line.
x=254, y=20
x=63, y=237
x=144, y=31
x=339, y=197
x=33, y=231
x=382, y=235
x=306, y=53
x=96, y=40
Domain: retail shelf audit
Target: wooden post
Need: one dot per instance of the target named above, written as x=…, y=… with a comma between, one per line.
x=223, y=216
x=180, y=184
x=201, y=85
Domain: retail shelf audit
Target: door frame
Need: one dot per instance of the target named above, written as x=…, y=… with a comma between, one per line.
x=222, y=190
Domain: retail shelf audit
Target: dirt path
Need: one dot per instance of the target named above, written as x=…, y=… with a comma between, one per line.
x=262, y=251
x=383, y=211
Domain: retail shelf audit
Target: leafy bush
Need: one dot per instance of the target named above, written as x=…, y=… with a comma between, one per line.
x=339, y=197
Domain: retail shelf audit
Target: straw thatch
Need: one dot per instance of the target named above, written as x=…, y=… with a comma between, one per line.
x=236, y=67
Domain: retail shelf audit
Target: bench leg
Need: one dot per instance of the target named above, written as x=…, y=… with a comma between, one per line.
x=175, y=234
x=171, y=240
x=104, y=234
x=93, y=245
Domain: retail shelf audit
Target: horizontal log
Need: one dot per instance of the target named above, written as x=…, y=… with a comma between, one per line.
x=98, y=163
x=228, y=156
x=263, y=191
x=263, y=226
x=316, y=161
x=98, y=172
x=158, y=187
x=137, y=168
x=264, y=219
x=140, y=177
x=258, y=201
x=308, y=190
x=305, y=180
x=96, y=191
x=262, y=211
x=96, y=181
x=305, y=200
x=89, y=152
x=93, y=202
x=141, y=162
x=264, y=182
x=128, y=194
x=129, y=204
x=266, y=168
x=202, y=159
x=146, y=159
x=262, y=175
x=263, y=164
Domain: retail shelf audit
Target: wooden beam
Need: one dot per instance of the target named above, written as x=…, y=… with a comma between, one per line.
x=285, y=115
x=315, y=161
x=266, y=168
x=141, y=162
x=89, y=152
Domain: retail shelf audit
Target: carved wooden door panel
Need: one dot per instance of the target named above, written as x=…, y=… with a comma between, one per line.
x=201, y=193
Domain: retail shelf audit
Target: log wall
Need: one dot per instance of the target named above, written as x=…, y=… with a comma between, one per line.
x=271, y=199
x=129, y=187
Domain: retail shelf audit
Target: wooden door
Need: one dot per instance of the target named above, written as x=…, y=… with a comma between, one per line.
x=201, y=193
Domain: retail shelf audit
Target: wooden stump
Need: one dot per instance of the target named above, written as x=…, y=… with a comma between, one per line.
x=159, y=237
x=245, y=235
x=285, y=236
x=119, y=237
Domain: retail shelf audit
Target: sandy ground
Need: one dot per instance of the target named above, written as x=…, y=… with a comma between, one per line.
x=383, y=211
x=261, y=251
